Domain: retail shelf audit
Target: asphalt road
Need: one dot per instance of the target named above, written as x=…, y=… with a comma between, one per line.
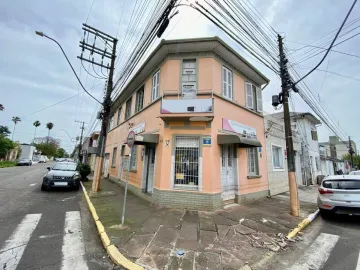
x=328, y=244
x=45, y=230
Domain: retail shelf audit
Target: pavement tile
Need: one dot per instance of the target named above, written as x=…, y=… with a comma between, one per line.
x=188, y=231
x=155, y=257
x=136, y=246
x=207, y=260
x=221, y=220
x=185, y=261
x=229, y=261
x=172, y=219
x=207, y=224
x=222, y=230
x=243, y=229
x=151, y=225
x=186, y=244
x=257, y=226
x=165, y=237
x=206, y=241
x=191, y=217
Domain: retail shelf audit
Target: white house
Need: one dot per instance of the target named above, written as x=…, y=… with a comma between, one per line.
x=276, y=155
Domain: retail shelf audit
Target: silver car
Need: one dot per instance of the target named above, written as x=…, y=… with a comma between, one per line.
x=62, y=174
x=339, y=194
x=24, y=161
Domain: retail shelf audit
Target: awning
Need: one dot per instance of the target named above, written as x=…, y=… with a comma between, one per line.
x=146, y=138
x=238, y=139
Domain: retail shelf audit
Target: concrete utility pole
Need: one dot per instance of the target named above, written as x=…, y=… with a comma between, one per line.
x=108, y=41
x=285, y=86
x=81, y=137
x=351, y=152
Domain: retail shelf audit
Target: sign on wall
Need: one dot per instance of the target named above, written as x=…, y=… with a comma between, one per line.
x=206, y=140
x=138, y=128
x=236, y=127
x=187, y=105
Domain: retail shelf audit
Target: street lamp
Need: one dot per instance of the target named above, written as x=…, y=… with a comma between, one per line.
x=68, y=135
x=41, y=34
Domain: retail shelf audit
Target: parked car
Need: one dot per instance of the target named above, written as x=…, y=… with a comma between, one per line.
x=354, y=173
x=339, y=194
x=42, y=159
x=24, y=161
x=62, y=174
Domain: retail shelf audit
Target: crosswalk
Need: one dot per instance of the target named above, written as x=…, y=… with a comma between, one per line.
x=316, y=256
x=73, y=250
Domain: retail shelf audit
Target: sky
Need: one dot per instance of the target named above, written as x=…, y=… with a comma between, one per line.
x=35, y=75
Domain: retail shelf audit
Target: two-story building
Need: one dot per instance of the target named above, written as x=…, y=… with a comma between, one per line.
x=89, y=149
x=196, y=107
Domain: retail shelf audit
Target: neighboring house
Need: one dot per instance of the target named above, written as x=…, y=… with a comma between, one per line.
x=89, y=149
x=277, y=157
x=305, y=127
x=196, y=107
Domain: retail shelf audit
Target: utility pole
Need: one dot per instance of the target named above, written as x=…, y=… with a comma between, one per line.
x=284, y=99
x=108, y=41
x=81, y=137
x=351, y=152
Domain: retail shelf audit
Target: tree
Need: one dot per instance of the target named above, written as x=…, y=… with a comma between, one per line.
x=49, y=126
x=4, y=130
x=15, y=119
x=61, y=153
x=2, y=107
x=5, y=146
x=36, y=124
x=47, y=145
x=356, y=160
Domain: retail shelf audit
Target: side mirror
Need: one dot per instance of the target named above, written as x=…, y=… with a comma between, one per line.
x=49, y=168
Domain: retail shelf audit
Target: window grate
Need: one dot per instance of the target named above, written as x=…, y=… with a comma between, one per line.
x=187, y=152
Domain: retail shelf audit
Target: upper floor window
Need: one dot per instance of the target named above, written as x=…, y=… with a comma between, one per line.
x=227, y=85
x=277, y=157
x=111, y=123
x=119, y=116
x=128, y=108
x=253, y=97
x=188, y=78
x=155, y=86
x=139, y=103
x=314, y=135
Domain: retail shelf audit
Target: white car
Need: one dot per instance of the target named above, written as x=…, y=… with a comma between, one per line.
x=339, y=194
x=24, y=161
x=354, y=173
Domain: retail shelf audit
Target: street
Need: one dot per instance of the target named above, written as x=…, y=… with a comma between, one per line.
x=45, y=230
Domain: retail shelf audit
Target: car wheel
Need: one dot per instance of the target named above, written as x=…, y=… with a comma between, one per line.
x=326, y=214
x=43, y=187
x=77, y=187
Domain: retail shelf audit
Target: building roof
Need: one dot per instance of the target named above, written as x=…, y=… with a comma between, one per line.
x=299, y=115
x=210, y=44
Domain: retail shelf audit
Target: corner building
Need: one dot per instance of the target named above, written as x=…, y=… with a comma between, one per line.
x=196, y=107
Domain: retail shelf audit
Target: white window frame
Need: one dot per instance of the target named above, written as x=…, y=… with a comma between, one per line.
x=111, y=122
x=227, y=82
x=126, y=108
x=155, y=86
x=119, y=116
x=257, y=170
x=133, y=158
x=281, y=158
x=139, y=104
x=255, y=94
x=113, y=160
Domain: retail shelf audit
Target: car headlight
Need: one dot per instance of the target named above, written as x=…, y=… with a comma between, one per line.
x=76, y=177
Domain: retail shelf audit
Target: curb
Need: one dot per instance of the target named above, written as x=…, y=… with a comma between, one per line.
x=111, y=249
x=303, y=224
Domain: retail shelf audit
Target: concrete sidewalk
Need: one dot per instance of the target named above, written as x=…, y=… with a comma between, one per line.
x=236, y=237
x=306, y=194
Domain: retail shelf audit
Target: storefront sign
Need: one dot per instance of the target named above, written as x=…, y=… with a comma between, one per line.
x=206, y=140
x=139, y=128
x=236, y=127
x=186, y=105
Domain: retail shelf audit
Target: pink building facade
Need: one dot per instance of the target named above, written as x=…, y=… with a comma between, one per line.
x=196, y=107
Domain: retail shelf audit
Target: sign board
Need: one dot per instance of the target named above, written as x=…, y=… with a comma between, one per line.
x=206, y=140
x=236, y=127
x=130, y=138
x=138, y=128
x=202, y=105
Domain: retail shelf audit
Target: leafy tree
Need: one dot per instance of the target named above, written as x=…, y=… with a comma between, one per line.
x=356, y=160
x=61, y=153
x=2, y=107
x=36, y=124
x=5, y=146
x=47, y=145
x=4, y=130
x=15, y=119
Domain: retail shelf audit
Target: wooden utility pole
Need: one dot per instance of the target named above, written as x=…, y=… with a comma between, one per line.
x=285, y=86
x=108, y=41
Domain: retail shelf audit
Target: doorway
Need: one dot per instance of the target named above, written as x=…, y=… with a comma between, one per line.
x=228, y=172
x=121, y=167
x=106, y=164
x=149, y=166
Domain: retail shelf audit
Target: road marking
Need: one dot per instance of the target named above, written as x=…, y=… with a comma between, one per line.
x=34, y=184
x=318, y=253
x=12, y=252
x=358, y=263
x=73, y=250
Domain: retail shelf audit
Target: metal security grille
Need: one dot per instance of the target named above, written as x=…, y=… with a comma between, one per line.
x=187, y=151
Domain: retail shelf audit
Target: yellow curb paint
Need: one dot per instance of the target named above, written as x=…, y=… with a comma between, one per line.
x=302, y=225
x=113, y=252
x=119, y=259
x=105, y=239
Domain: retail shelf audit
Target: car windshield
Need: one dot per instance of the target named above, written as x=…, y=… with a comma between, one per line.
x=64, y=167
x=342, y=184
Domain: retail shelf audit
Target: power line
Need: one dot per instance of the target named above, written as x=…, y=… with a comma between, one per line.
x=87, y=18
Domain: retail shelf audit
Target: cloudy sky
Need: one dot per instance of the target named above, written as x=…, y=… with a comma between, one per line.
x=34, y=74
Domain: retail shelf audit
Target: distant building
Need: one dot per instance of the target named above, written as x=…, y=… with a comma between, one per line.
x=89, y=149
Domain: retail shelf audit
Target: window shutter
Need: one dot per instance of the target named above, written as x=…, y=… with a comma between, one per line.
x=259, y=105
x=230, y=81
x=249, y=96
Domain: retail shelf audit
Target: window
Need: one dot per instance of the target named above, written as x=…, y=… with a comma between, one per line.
x=188, y=78
x=139, y=104
x=227, y=83
x=187, y=152
x=113, y=161
x=314, y=135
x=253, y=97
x=155, y=86
x=133, y=157
x=128, y=108
x=119, y=116
x=317, y=163
x=111, y=123
x=277, y=157
x=253, y=166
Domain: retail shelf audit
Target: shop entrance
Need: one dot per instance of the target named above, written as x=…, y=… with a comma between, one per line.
x=228, y=172
x=148, y=179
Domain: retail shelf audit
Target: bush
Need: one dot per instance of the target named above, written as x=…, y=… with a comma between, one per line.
x=4, y=164
x=85, y=170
